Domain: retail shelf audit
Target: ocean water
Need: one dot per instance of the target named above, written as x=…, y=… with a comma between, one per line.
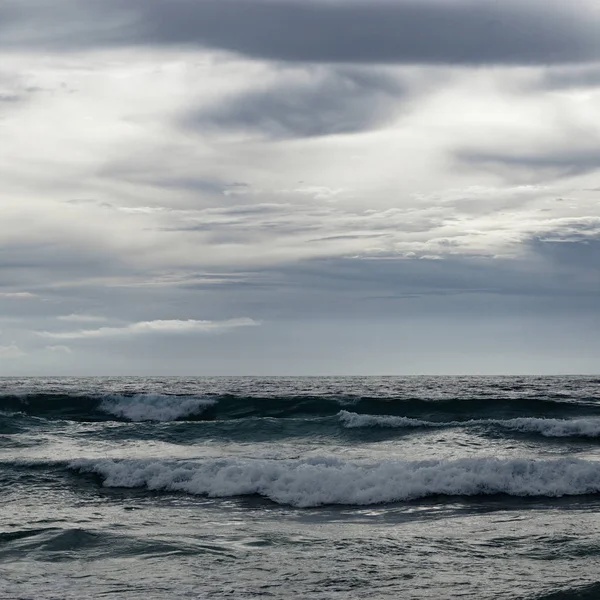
x=313, y=488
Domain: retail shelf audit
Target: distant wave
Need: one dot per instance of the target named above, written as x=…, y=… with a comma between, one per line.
x=154, y=407
x=327, y=480
x=585, y=427
x=353, y=420
x=373, y=411
x=102, y=407
x=555, y=427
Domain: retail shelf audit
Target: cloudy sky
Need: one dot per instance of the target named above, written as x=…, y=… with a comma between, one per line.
x=299, y=186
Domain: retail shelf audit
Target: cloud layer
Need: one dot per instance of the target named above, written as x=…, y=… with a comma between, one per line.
x=401, y=31
x=389, y=186
x=173, y=326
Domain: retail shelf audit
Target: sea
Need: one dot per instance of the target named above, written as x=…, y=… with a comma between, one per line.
x=323, y=488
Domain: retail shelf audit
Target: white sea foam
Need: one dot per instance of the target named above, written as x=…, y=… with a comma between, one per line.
x=322, y=481
x=587, y=427
x=352, y=420
x=154, y=407
x=555, y=427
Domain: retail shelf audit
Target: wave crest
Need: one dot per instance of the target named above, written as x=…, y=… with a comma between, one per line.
x=78, y=402
x=352, y=420
x=154, y=407
x=585, y=427
x=322, y=481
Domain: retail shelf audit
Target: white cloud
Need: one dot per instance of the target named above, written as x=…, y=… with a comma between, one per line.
x=317, y=192
x=77, y=318
x=17, y=295
x=11, y=352
x=59, y=349
x=174, y=326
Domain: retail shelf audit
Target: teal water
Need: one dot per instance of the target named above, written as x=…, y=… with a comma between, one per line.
x=300, y=487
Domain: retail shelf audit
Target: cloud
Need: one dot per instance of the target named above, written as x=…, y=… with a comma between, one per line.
x=174, y=326
x=572, y=243
x=11, y=352
x=132, y=172
x=9, y=98
x=59, y=349
x=312, y=102
x=76, y=318
x=395, y=287
x=312, y=181
x=536, y=165
x=401, y=31
x=17, y=295
x=569, y=78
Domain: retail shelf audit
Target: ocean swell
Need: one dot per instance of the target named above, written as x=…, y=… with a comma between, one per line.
x=102, y=407
x=154, y=407
x=584, y=427
x=327, y=480
x=197, y=402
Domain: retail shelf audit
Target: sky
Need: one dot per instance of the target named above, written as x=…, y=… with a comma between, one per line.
x=299, y=187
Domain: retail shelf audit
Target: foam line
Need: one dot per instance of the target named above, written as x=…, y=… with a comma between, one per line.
x=328, y=480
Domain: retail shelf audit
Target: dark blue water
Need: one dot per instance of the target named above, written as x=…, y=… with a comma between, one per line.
x=300, y=487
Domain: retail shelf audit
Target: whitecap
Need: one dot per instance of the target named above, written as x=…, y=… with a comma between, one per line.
x=316, y=482
x=154, y=407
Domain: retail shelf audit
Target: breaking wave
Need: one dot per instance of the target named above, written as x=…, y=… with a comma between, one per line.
x=326, y=481
x=585, y=427
x=385, y=412
x=154, y=407
x=102, y=407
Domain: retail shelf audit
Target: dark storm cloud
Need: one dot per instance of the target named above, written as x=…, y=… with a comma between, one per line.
x=467, y=32
x=324, y=103
x=554, y=164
